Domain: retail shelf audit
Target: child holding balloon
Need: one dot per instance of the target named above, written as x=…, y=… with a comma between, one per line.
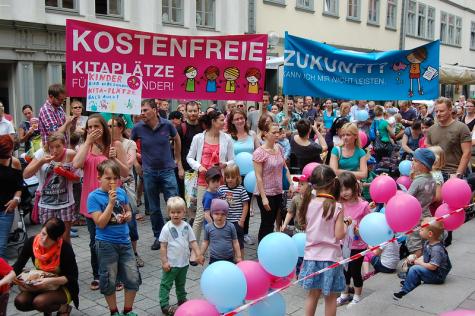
x=323, y=217
x=355, y=208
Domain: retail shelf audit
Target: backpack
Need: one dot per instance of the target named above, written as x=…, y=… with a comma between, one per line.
x=373, y=131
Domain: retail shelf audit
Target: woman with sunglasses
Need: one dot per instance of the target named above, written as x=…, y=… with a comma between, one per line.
x=76, y=111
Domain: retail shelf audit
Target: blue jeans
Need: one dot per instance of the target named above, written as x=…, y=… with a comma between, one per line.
x=6, y=221
x=378, y=266
x=156, y=181
x=417, y=274
x=117, y=261
x=91, y=228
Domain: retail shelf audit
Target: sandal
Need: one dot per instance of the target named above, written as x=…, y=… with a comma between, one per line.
x=140, y=217
x=95, y=285
x=67, y=312
x=119, y=286
x=169, y=310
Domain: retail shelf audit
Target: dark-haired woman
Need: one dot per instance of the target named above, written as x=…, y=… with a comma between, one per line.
x=11, y=182
x=410, y=139
x=49, y=253
x=210, y=148
x=305, y=149
x=96, y=148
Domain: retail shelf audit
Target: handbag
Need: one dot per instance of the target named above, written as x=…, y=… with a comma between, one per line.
x=191, y=188
x=27, y=280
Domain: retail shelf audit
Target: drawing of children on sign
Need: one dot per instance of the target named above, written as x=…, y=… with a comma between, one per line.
x=231, y=74
x=415, y=59
x=190, y=72
x=253, y=75
x=211, y=74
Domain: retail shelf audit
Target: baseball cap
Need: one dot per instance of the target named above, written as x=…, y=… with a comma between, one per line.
x=425, y=156
x=300, y=178
x=218, y=205
x=213, y=172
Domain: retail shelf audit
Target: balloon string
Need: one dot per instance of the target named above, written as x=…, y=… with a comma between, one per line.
x=342, y=262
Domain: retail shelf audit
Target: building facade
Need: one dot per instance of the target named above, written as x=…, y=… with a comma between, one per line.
x=32, y=35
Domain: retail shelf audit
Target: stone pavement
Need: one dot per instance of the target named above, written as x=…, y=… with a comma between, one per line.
x=459, y=291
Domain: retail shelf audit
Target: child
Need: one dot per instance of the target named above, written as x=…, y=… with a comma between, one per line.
x=238, y=200
x=366, y=182
x=284, y=142
x=221, y=236
x=213, y=179
x=6, y=277
x=435, y=264
x=354, y=208
x=436, y=173
x=398, y=127
x=384, y=259
x=323, y=218
x=110, y=211
x=176, y=239
x=423, y=188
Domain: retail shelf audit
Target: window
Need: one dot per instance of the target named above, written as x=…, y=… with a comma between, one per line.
x=305, y=4
x=61, y=4
x=430, y=22
x=172, y=11
x=373, y=12
x=451, y=29
x=411, y=18
x=458, y=31
x=205, y=13
x=354, y=7
x=109, y=7
x=472, y=35
x=391, y=14
x=330, y=7
x=443, y=27
x=421, y=20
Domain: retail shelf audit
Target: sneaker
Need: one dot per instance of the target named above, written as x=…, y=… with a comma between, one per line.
x=74, y=234
x=131, y=313
x=74, y=229
x=248, y=240
x=353, y=303
x=397, y=296
x=402, y=282
x=169, y=310
x=343, y=300
x=117, y=314
x=156, y=245
x=139, y=261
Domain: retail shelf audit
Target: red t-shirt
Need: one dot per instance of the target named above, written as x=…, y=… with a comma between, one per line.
x=4, y=270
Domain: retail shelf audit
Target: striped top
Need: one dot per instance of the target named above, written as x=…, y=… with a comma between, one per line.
x=236, y=197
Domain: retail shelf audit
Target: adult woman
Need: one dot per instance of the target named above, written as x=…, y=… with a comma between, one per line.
x=117, y=129
x=11, y=182
x=50, y=254
x=55, y=191
x=329, y=115
x=76, y=111
x=469, y=117
x=332, y=138
x=410, y=139
x=384, y=132
x=349, y=156
x=28, y=132
x=423, y=112
x=268, y=165
x=425, y=125
x=305, y=149
x=210, y=148
x=96, y=148
x=244, y=140
x=345, y=110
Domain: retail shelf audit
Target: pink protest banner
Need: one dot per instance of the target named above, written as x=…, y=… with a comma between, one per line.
x=230, y=67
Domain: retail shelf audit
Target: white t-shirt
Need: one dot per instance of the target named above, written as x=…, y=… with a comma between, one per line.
x=390, y=255
x=6, y=127
x=178, y=239
x=58, y=191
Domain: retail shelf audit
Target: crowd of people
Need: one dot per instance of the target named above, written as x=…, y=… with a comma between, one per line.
x=94, y=169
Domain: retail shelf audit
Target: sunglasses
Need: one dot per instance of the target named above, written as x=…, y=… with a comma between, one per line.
x=240, y=105
x=77, y=107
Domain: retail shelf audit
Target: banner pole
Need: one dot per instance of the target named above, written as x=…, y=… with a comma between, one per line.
x=112, y=129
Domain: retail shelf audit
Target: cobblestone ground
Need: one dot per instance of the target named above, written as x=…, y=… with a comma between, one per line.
x=146, y=303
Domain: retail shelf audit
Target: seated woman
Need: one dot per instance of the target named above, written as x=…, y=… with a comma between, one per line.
x=50, y=254
x=410, y=140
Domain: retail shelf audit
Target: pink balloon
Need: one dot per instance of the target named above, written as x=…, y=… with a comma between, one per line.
x=405, y=181
x=308, y=169
x=280, y=282
x=403, y=212
x=363, y=138
x=456, y=193
x=382, y=189
x=459, y=312
x=452, y=222
x=197, y=308
x=257, y=279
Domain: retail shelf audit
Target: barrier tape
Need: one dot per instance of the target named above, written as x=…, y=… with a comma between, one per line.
x=342, y=262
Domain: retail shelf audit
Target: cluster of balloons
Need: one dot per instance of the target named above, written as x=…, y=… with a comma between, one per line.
x=403, y=211
x=226, y=286
x=246, y=167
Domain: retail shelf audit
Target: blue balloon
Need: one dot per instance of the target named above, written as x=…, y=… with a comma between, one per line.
x=272, y=306
x=300, y=239
x=405, y=167
x=277, y=254
x=223, y=284
x=362, y=115
x=374, y=229
x=250, y=181
x=244, y=162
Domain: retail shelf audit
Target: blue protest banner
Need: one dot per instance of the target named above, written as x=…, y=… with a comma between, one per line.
x=316, y=69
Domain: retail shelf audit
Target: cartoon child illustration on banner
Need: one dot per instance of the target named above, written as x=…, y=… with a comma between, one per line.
x=211, y=74
x=231, y=74
x=190, y=72
x=253, y=75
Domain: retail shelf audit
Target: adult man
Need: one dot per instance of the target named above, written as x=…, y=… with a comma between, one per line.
x=408, y=113
x=288, y=119
x=52, y=116
x=158, y=165
x=312, y=111
x=163, y=108
x=454, y=138
x=299, y=106
x=253, y=117
x=6, y=127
